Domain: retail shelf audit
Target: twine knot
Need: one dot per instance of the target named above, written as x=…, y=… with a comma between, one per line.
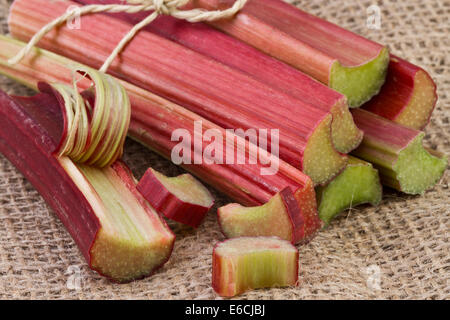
x=162, y=6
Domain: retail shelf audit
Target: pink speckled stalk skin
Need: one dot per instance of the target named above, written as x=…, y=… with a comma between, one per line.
x=295, y=215
x=165, y=202
x=379, y=131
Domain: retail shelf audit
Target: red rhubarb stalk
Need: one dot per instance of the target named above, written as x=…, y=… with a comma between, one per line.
x=241, y=182
x=30, y=130
x=408, y=97
x=236, y=54
x=334, y=56
x=182, y=199
x=223, y=95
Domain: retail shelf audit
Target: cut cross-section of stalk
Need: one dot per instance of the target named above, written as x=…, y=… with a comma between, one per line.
x=182, y=199
x=244, y=183
x=279, y=217
x=248, y=263
x=236, y=54
x=345, y=61
x=120, y=236
x=228, y=97
x=398, y=154
x=359, y=183
x=408, y=97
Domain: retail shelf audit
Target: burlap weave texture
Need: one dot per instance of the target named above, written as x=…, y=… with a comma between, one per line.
x=397, y=250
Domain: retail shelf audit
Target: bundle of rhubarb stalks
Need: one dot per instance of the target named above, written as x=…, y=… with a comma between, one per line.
x=292, y=117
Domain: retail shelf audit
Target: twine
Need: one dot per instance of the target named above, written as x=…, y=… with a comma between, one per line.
x=167, y=7
x=94, y=134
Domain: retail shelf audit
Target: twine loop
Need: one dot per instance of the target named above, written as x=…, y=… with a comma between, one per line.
x=96, y=121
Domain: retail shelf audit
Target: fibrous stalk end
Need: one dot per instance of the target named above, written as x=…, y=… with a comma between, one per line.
x=321, y=160
x=348, y=80
x=359, y=183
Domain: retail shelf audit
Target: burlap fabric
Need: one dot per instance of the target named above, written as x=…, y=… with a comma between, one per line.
x=397, y=250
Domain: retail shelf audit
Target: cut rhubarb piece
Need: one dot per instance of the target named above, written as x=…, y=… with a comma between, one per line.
x=345, y=61
x=248, y=263
x=232, y=52
x=280, y=217
x=120, y=236
x=153, y=121
x=359, y=183
x=397, y=152
x=408, y=97
x=229, y=98
x=182, y=199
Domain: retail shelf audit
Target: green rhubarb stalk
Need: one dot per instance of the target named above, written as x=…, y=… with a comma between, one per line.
x=359, y=183
x=398, y=154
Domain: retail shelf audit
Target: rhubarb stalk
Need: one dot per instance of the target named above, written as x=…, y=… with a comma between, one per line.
x=243, y=183
x=247, y=263
x=279, y=217
x=227, y=50
x=398, y=155
x=182, y=199
x=344, y=61
x=408, y=97
x=359, y=183
x=223, y=95
x=123, y=242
